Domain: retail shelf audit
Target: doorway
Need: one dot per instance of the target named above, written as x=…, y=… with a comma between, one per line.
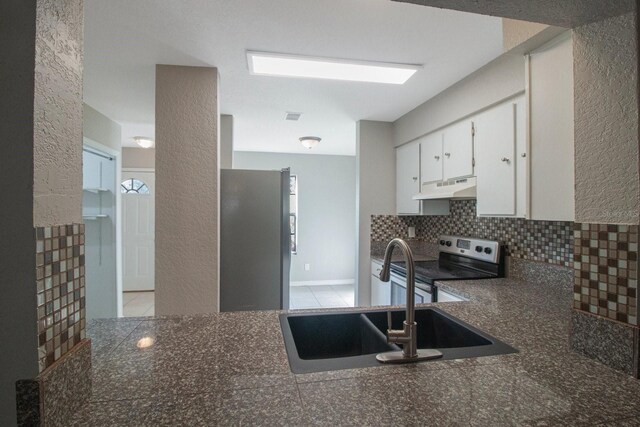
x=137, y=188
x=99, y=209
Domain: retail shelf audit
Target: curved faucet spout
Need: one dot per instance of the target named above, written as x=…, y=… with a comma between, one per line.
x=406, y=336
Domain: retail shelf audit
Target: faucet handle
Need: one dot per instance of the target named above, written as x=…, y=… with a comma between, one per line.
x=389, y=320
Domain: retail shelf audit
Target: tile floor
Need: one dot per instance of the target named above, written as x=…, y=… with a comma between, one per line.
x=138, y=304
x=324, y=296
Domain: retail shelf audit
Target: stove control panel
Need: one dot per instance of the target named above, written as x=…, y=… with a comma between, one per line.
x=485, y=250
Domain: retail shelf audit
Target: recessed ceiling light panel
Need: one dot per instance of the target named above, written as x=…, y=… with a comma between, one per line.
x=275, y=64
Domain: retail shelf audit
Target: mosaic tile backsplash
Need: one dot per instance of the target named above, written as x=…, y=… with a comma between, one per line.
x=606, y=271
x=60, y=279
x=546, y=241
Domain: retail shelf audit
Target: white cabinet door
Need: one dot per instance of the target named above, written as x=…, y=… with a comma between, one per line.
x=380, y=291
x=495, y=161
x=458, y=150
x=431, y=158
x=407, y=178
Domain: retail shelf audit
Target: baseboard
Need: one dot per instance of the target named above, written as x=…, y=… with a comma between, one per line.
x=323, y=282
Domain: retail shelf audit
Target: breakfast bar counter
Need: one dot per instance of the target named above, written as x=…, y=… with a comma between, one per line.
x=232, y=369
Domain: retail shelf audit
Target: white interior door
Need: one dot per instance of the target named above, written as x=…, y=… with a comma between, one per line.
x=138, y=230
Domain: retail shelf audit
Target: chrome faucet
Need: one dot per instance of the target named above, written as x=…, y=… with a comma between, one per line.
x=407, y=336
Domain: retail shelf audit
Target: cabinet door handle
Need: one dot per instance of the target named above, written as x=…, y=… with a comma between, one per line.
x=504, y=159
x=436, y=157
x=447, y=154
x=415, y=178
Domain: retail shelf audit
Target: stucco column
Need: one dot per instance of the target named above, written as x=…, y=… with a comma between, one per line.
x=187, y=190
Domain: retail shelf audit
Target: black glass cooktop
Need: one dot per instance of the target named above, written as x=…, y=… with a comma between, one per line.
x=431, y=271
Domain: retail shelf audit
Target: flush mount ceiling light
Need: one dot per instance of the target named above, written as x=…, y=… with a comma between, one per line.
x=143, y=141
x=276, y=64
x=310, y=141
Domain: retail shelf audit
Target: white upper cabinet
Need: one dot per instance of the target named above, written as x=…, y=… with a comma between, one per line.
x=495, y=145
x=407, y=179
x=431, y=158
x=458, y=150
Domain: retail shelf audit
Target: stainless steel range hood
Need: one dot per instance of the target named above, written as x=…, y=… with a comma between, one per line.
x=458, y=189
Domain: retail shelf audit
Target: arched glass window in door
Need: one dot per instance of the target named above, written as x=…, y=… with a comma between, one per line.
x=133, y=186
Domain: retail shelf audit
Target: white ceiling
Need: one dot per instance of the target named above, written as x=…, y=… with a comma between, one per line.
x=124, y=40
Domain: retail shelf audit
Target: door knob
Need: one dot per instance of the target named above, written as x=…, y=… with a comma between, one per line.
x=447, y=154
x=504, y=159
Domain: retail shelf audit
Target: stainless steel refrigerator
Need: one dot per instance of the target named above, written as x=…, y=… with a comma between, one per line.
x=255, y=254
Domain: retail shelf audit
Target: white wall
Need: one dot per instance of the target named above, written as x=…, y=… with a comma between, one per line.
x=133, y=157
x=496, y=81
x=326, y=209
x=187, y=190
x=516, y=32
x=551, y=130
x=100, y=128
x=375, y=193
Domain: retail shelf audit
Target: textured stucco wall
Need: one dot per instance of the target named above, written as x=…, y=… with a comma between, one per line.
x=516, y=32
x=57, y=180
x=18, y=356
x=187, y=190
x=375, y=193
x=564, y=13
x=138, y=157
x=100, y=128
x=496, y=81
x=606, y=121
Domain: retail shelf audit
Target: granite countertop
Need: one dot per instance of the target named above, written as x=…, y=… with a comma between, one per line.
x=232, y=368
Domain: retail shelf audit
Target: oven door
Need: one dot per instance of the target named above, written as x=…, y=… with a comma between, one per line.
x=399, y=292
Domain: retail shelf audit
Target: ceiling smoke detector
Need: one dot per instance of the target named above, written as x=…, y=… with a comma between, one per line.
x=310, y=141
x=292, y=116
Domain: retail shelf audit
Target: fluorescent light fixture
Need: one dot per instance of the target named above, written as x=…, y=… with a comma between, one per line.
x=143, y=141
x=275, y=64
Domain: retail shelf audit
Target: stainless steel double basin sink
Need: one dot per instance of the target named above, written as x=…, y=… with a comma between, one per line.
x=318, y=342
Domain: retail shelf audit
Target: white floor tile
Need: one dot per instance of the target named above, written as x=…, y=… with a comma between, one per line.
x=138, y=304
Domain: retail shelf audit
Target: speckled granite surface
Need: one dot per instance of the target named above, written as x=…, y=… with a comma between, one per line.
x=232, y=369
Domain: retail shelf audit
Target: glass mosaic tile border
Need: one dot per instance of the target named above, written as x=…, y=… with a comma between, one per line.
x=605, y=262
x=60, y=282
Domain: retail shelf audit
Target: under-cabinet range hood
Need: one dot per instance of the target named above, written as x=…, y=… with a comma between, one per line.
x=464, y=188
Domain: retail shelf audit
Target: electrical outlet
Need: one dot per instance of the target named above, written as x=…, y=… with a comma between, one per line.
x=307, y=267
x=412, y=232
